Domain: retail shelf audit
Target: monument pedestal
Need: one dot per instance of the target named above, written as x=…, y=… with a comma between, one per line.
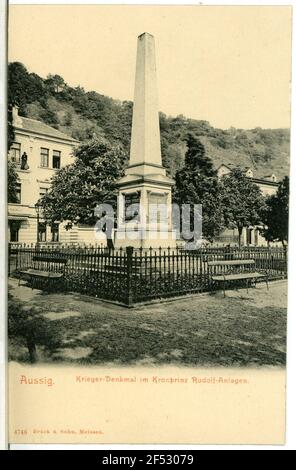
x=144, y=212
x=144, y=239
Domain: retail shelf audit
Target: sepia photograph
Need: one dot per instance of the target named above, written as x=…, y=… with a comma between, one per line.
x=148, y=211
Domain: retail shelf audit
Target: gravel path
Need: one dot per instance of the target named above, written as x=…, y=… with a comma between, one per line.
x=203, y=330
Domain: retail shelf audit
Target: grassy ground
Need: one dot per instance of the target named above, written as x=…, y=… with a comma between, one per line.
x=204, y=330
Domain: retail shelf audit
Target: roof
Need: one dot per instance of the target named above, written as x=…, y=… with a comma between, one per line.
x=231, y=165
x=266, y=182
x=256, y=179
x=224, y=164
x=39, y=127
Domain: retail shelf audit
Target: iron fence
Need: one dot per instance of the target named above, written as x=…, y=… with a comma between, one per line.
x=130, y=276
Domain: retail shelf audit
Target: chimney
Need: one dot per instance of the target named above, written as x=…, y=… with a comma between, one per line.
x=16, y=119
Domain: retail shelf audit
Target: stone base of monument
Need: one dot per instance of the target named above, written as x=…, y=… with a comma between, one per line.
x=144, y=238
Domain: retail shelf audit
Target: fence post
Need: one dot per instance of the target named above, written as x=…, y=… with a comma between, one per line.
x=129, y=276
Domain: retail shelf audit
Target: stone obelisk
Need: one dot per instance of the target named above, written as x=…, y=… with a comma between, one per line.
x=145, y=141
x=144, y=199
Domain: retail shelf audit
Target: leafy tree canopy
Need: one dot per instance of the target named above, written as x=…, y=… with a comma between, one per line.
x=77, y=188
x=23, y=87
x=12, y=181
x=243, y=202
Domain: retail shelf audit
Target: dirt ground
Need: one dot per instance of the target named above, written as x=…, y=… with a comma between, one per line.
x=243, y=329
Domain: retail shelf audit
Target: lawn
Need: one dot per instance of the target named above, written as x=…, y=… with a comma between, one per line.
x=202, y=330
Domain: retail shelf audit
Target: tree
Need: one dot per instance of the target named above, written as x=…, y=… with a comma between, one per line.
x=18, y=81
x=55, y=83
x=77, y=188
x=197, y=183
x=12, y=181
x=243, y=201
x=276, y=215
x=23, y=87
x=172, y=156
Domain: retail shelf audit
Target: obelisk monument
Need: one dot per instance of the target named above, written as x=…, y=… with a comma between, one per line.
x=144, y=192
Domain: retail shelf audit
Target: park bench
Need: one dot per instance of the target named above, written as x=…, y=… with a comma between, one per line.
x=48, y=269
x=234, y=271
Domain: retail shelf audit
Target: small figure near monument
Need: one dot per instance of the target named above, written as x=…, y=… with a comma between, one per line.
x=105, y=224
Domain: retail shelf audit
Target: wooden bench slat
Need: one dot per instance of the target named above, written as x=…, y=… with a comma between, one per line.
x=48, y=259
x=37, y=273
x=236, y=277
x=236, y=262
x=33, y=272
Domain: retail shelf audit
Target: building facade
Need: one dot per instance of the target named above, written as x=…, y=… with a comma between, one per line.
x=38, y=152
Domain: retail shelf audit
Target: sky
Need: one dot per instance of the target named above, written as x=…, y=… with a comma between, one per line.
x=228, y=65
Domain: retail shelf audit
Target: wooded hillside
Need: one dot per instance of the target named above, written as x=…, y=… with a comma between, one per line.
x=81, y=114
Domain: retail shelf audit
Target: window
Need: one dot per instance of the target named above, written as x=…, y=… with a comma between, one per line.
x=56, y=159
x=14, y=226
x=15, y=197
x=44, y=157
x=42, y=192
x=54, y=232
x=18, y=193
x=15, y=152
x=42, y=231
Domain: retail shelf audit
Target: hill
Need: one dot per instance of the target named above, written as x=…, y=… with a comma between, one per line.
x=81, y=114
